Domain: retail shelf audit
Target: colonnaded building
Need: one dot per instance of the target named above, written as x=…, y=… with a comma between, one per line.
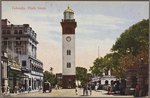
x=20, y=41
x=68, y=49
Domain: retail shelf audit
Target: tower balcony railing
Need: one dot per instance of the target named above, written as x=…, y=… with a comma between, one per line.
x=69, y=20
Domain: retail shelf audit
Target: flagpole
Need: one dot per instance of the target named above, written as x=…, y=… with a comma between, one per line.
x=98, y=51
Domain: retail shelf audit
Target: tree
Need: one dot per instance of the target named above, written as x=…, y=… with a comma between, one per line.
x=108, y=62
x=132, y=45
x=130, y=61
x=133, y=40
x=82, y=75
x=50, y=77
x=98, y=66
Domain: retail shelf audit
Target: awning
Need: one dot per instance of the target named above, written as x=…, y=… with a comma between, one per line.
x=22, y=76
x=25, y=70
x=17, y=74
x=15, y=68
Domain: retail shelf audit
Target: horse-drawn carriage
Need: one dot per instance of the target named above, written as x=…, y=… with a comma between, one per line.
x=47, y=86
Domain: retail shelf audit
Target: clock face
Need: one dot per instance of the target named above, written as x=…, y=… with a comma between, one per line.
x=68, y=38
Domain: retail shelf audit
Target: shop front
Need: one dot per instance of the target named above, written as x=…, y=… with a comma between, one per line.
x=16, y=80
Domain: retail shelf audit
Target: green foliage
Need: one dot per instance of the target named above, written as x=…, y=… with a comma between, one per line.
x=59, y=84
x=130, y=61
x=132, y=45
x=132, y=40
x=82, y=75
x=108, y=62
x=50, y=77
x=98, y=66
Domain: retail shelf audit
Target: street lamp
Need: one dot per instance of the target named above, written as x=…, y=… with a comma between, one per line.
x=141, y=60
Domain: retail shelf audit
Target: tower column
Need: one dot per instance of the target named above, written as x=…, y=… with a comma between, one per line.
x=68, y=49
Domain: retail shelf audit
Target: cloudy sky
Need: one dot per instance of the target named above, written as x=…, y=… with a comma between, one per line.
x=99, y=23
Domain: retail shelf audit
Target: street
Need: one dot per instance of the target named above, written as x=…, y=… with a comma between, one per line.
x=69, y=93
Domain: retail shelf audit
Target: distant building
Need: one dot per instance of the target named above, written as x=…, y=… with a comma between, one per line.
x=107, y=77
x=20, y=41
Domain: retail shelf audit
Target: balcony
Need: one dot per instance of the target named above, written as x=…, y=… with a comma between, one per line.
x=36, y=73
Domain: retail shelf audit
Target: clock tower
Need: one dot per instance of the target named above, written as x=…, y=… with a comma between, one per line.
x=68, y=49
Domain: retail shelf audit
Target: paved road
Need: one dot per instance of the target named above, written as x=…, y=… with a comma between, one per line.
x=69, y=93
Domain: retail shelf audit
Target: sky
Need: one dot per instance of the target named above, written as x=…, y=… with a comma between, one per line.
x=99, y=24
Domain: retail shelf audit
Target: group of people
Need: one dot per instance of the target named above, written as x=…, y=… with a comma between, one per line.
x=85, y=89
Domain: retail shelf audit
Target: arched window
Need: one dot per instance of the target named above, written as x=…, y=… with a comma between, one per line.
x=68, y=52
x=106, y=72
x=112, y=82
x=68, y=65
x=106, y=82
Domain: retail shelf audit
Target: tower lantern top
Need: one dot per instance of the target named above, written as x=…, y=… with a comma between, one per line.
x=69, y=10
x=68, y=14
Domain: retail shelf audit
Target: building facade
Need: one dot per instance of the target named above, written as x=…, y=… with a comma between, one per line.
x=14, y=74
x=4, y=76
x=20, y=41
x=107, y=77
x=68, y=49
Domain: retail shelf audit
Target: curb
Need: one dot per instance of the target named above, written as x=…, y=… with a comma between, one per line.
x=26, y=92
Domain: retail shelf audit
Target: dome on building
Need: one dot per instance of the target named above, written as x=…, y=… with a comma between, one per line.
x=69, y=10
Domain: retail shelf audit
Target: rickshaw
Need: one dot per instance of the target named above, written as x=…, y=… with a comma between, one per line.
x=47, y=86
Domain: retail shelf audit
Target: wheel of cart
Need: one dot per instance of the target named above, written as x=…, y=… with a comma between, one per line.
x=50, y=89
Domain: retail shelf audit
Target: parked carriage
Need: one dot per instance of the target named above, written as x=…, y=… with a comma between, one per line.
x=47, y=86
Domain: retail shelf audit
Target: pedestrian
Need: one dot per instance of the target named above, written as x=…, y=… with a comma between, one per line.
x=109, y=90
x=115, y=88
x=90, y=91
x=29, y=89
x=96, y=88
x=20, y=88
x=86, y=90
x=136, y=91
x=76, y=90
x=56, y=86
x=100, y=87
